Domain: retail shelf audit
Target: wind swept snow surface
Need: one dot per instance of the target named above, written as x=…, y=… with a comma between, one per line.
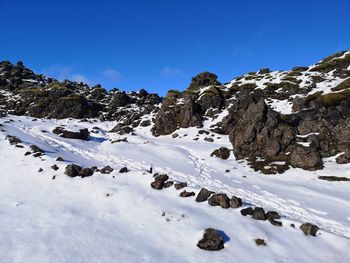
x=50, y=217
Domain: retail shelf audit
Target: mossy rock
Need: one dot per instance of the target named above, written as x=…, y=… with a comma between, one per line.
x=291, y=79
x=328, y=65
x=313, y=96
x=334, y=99
x=342, y=86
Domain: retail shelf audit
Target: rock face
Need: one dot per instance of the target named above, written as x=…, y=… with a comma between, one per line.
x=212, y=240
x=309, y=229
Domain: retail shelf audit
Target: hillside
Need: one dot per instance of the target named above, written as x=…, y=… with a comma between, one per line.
x=271, y=147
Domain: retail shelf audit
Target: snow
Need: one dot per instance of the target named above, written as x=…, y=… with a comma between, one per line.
x=282, y=106
x=120, y=218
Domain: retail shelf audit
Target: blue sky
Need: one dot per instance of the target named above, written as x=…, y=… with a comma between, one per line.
x=159, y=45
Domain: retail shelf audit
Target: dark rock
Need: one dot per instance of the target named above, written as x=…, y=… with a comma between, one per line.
x=72, y=170
x=106, y=170
x=235, y=202
x=55, y=167
x=40, y=170
x=271, y=216
x=259, y=214
x=208, y=139
x=309, y=229
x=219, y=200
x=203, y=195
x=86, y=172
x=222, y=153
x=247, y=211
x=204, y=79
x=212, y=240
x=27, y=153
x=175, y=135
x=120, y=140
x=187, y=194
x=306, y=158
x=344, y=158
x=160, y=177
x=123, y=170
x=145, y=123
x=37, y=154
x=168, y=184
x=260, y=242
x=334, y=178
x=36, y=149
x=180, y=185
x=157, y=184
x=13, y=140
x=19, y=146
x=60, y=159
x=83, y=134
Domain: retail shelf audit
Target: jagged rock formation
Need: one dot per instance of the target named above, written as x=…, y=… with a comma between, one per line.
x=276, y=119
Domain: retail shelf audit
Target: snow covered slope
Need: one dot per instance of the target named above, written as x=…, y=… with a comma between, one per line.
x=50, y=217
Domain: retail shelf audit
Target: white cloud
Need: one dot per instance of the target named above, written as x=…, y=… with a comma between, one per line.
x=112, y=75
x=171, y=72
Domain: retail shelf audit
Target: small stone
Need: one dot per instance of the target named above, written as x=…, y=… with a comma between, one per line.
x=27, y=153
x=157, y=184
x=235, y=202
x=260, y=242
x=161, y=177
x=203, y=195
x=187, y=194
x=54, y=177
x=60, y=159
x=55, y=167
x=259, y=214
x=40, y=170
x=38, y=154
x=221, y=200
x=86, y=172
x=180, y=185
x=123, y=170
x=247, y=211
x=106, y=170
x=168, y=184
x=309, y=229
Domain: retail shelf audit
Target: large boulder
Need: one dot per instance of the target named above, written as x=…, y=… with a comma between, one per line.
x=306, y=158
